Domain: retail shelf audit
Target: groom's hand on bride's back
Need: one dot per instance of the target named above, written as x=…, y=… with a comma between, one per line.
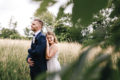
x=30, y=62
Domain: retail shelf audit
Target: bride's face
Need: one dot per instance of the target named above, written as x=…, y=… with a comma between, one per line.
x=50, y=39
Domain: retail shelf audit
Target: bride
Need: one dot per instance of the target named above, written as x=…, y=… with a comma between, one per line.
x=53, y=64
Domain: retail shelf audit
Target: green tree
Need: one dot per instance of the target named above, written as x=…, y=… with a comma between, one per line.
x=62, y=32
x=62, y=28
x=48, y=19
x=27, y=32
x=100, y=28
x=9, y=33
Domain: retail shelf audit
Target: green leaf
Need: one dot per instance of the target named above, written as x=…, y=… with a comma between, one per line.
x=116, y=11
x=84, y=10
x=75, y=70
x=93, y=69
x=43, y=6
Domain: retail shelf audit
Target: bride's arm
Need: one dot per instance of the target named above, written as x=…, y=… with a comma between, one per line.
x=50, y=52
x=47, y=49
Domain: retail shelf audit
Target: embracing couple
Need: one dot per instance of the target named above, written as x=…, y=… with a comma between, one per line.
x=43, y=54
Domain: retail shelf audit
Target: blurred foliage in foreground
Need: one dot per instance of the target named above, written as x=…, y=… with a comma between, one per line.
x=103, y=16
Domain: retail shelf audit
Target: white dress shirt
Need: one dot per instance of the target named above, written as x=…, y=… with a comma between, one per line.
x=35, y=34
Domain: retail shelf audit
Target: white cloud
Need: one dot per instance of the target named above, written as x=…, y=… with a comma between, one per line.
x=22, y=10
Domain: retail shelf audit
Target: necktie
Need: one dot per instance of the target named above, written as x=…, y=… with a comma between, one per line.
x=33, y=38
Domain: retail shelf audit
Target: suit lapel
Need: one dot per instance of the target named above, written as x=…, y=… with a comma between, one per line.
x=39, y=34
x=36, y=38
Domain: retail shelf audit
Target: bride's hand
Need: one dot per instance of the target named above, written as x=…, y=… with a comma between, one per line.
x=47, y=42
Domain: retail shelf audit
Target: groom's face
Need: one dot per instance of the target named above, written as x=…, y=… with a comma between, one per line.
x=35, y=26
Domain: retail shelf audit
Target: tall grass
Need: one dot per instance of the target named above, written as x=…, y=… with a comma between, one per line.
x=68, y=52
x=13, y=53
x=13, y=65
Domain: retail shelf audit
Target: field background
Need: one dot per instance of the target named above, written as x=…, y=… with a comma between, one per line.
x=13, y=53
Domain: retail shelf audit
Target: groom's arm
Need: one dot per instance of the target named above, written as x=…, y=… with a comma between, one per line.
x=39, y=48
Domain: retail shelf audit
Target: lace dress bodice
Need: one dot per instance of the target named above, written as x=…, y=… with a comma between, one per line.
x=53, y=64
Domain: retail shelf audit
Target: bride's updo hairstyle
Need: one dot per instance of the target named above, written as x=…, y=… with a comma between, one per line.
x=53, y=34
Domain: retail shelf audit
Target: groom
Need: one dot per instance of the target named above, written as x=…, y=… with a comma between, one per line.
x=36, y=57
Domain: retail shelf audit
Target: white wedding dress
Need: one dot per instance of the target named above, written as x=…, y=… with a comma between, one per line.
x=53, y=65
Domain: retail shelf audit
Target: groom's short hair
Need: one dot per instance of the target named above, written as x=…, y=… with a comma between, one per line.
x=40, y=21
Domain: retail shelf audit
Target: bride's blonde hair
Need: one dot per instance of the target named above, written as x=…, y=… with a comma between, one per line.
x=53, y=34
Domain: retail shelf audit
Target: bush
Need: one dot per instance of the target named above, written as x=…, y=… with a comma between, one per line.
x=62, y=32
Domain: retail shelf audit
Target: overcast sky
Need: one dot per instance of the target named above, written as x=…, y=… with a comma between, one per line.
x=22, y=11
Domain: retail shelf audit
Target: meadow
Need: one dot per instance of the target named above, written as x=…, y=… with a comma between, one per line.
x=13, y=53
